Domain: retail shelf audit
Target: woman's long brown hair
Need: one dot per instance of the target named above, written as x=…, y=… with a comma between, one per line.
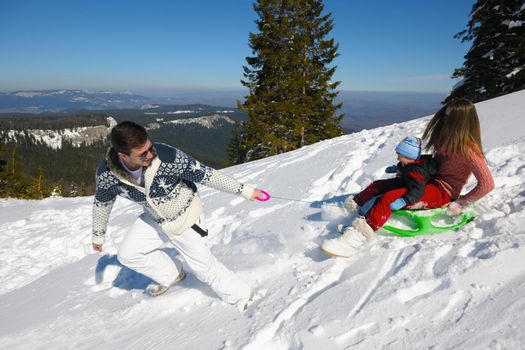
x=455, y=132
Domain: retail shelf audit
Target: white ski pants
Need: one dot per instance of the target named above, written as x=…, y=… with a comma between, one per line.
x=140, y=251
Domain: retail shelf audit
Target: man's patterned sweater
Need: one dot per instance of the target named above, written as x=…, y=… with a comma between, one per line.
x=168, y=192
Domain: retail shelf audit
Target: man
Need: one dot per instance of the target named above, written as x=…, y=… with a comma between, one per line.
x=162, y=179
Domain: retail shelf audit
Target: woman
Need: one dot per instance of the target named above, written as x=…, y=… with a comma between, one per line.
x=454, y=137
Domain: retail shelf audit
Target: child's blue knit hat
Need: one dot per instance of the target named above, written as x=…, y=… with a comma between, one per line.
x=410, y=147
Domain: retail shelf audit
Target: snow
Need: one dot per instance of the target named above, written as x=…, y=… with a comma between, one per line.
x=77, y=136
x=514, y=72
x=490, y=54
x=514, y=24
x=181, y=112
x=28, y=94
x=461, y=289
x=205, y=121
x=80, y=99
x=149, y=106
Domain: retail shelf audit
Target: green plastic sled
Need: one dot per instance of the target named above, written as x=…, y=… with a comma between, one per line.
x=424, y=222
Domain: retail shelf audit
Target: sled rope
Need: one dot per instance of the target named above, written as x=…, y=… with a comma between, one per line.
x=302, y=201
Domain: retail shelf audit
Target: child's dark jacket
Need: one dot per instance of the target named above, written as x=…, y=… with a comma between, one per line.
x=415, y=176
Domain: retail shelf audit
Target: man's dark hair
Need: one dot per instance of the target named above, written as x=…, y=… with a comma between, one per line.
x=127, y=135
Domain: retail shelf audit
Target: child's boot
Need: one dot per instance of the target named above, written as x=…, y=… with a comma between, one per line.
x=351, y=205
x=341, y=228
x=362, y=226
x=345, y=245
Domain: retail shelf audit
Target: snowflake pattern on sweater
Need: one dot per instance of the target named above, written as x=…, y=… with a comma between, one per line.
x=171, y=191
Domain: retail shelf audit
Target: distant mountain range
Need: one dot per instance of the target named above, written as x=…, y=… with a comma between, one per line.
x=362, y=109
x=371, y=109
x=40, y=101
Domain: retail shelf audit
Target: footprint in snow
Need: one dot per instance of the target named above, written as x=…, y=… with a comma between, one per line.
x=419, y=289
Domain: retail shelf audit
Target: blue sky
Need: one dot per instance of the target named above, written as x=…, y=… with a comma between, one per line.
x=158, y=47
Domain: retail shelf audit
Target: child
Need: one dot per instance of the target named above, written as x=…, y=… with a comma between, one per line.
x=414, y=171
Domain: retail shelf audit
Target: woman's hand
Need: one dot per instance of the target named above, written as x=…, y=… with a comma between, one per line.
x=454, y=208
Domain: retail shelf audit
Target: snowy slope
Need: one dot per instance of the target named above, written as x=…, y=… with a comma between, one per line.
x=454, y=290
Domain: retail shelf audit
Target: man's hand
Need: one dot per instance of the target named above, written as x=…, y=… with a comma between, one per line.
x=98, y=247
x=257, y=194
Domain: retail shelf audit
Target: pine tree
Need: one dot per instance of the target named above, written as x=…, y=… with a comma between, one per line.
x=495, y=64
x=291, y=96
x=73, y=190
x=39, y=188
x=3, y=168
x=13, y=182
x=234, y=147
x=57, y=190
x=516, y=39
x=2, y=151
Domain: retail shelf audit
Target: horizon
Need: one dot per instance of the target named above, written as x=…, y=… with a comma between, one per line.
x=165, y=47
x=218, y=90
x=355, y=102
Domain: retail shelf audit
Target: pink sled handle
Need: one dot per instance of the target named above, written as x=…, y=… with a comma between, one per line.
x=264, y=199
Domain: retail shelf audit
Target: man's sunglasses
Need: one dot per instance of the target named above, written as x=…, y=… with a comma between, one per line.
x=144, y=154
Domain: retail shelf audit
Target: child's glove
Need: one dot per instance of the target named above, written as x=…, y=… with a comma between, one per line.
x=391, y=169
x=398, y=204
x=454, y=208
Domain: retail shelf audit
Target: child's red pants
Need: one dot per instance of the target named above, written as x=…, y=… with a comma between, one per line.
x=390, y=190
